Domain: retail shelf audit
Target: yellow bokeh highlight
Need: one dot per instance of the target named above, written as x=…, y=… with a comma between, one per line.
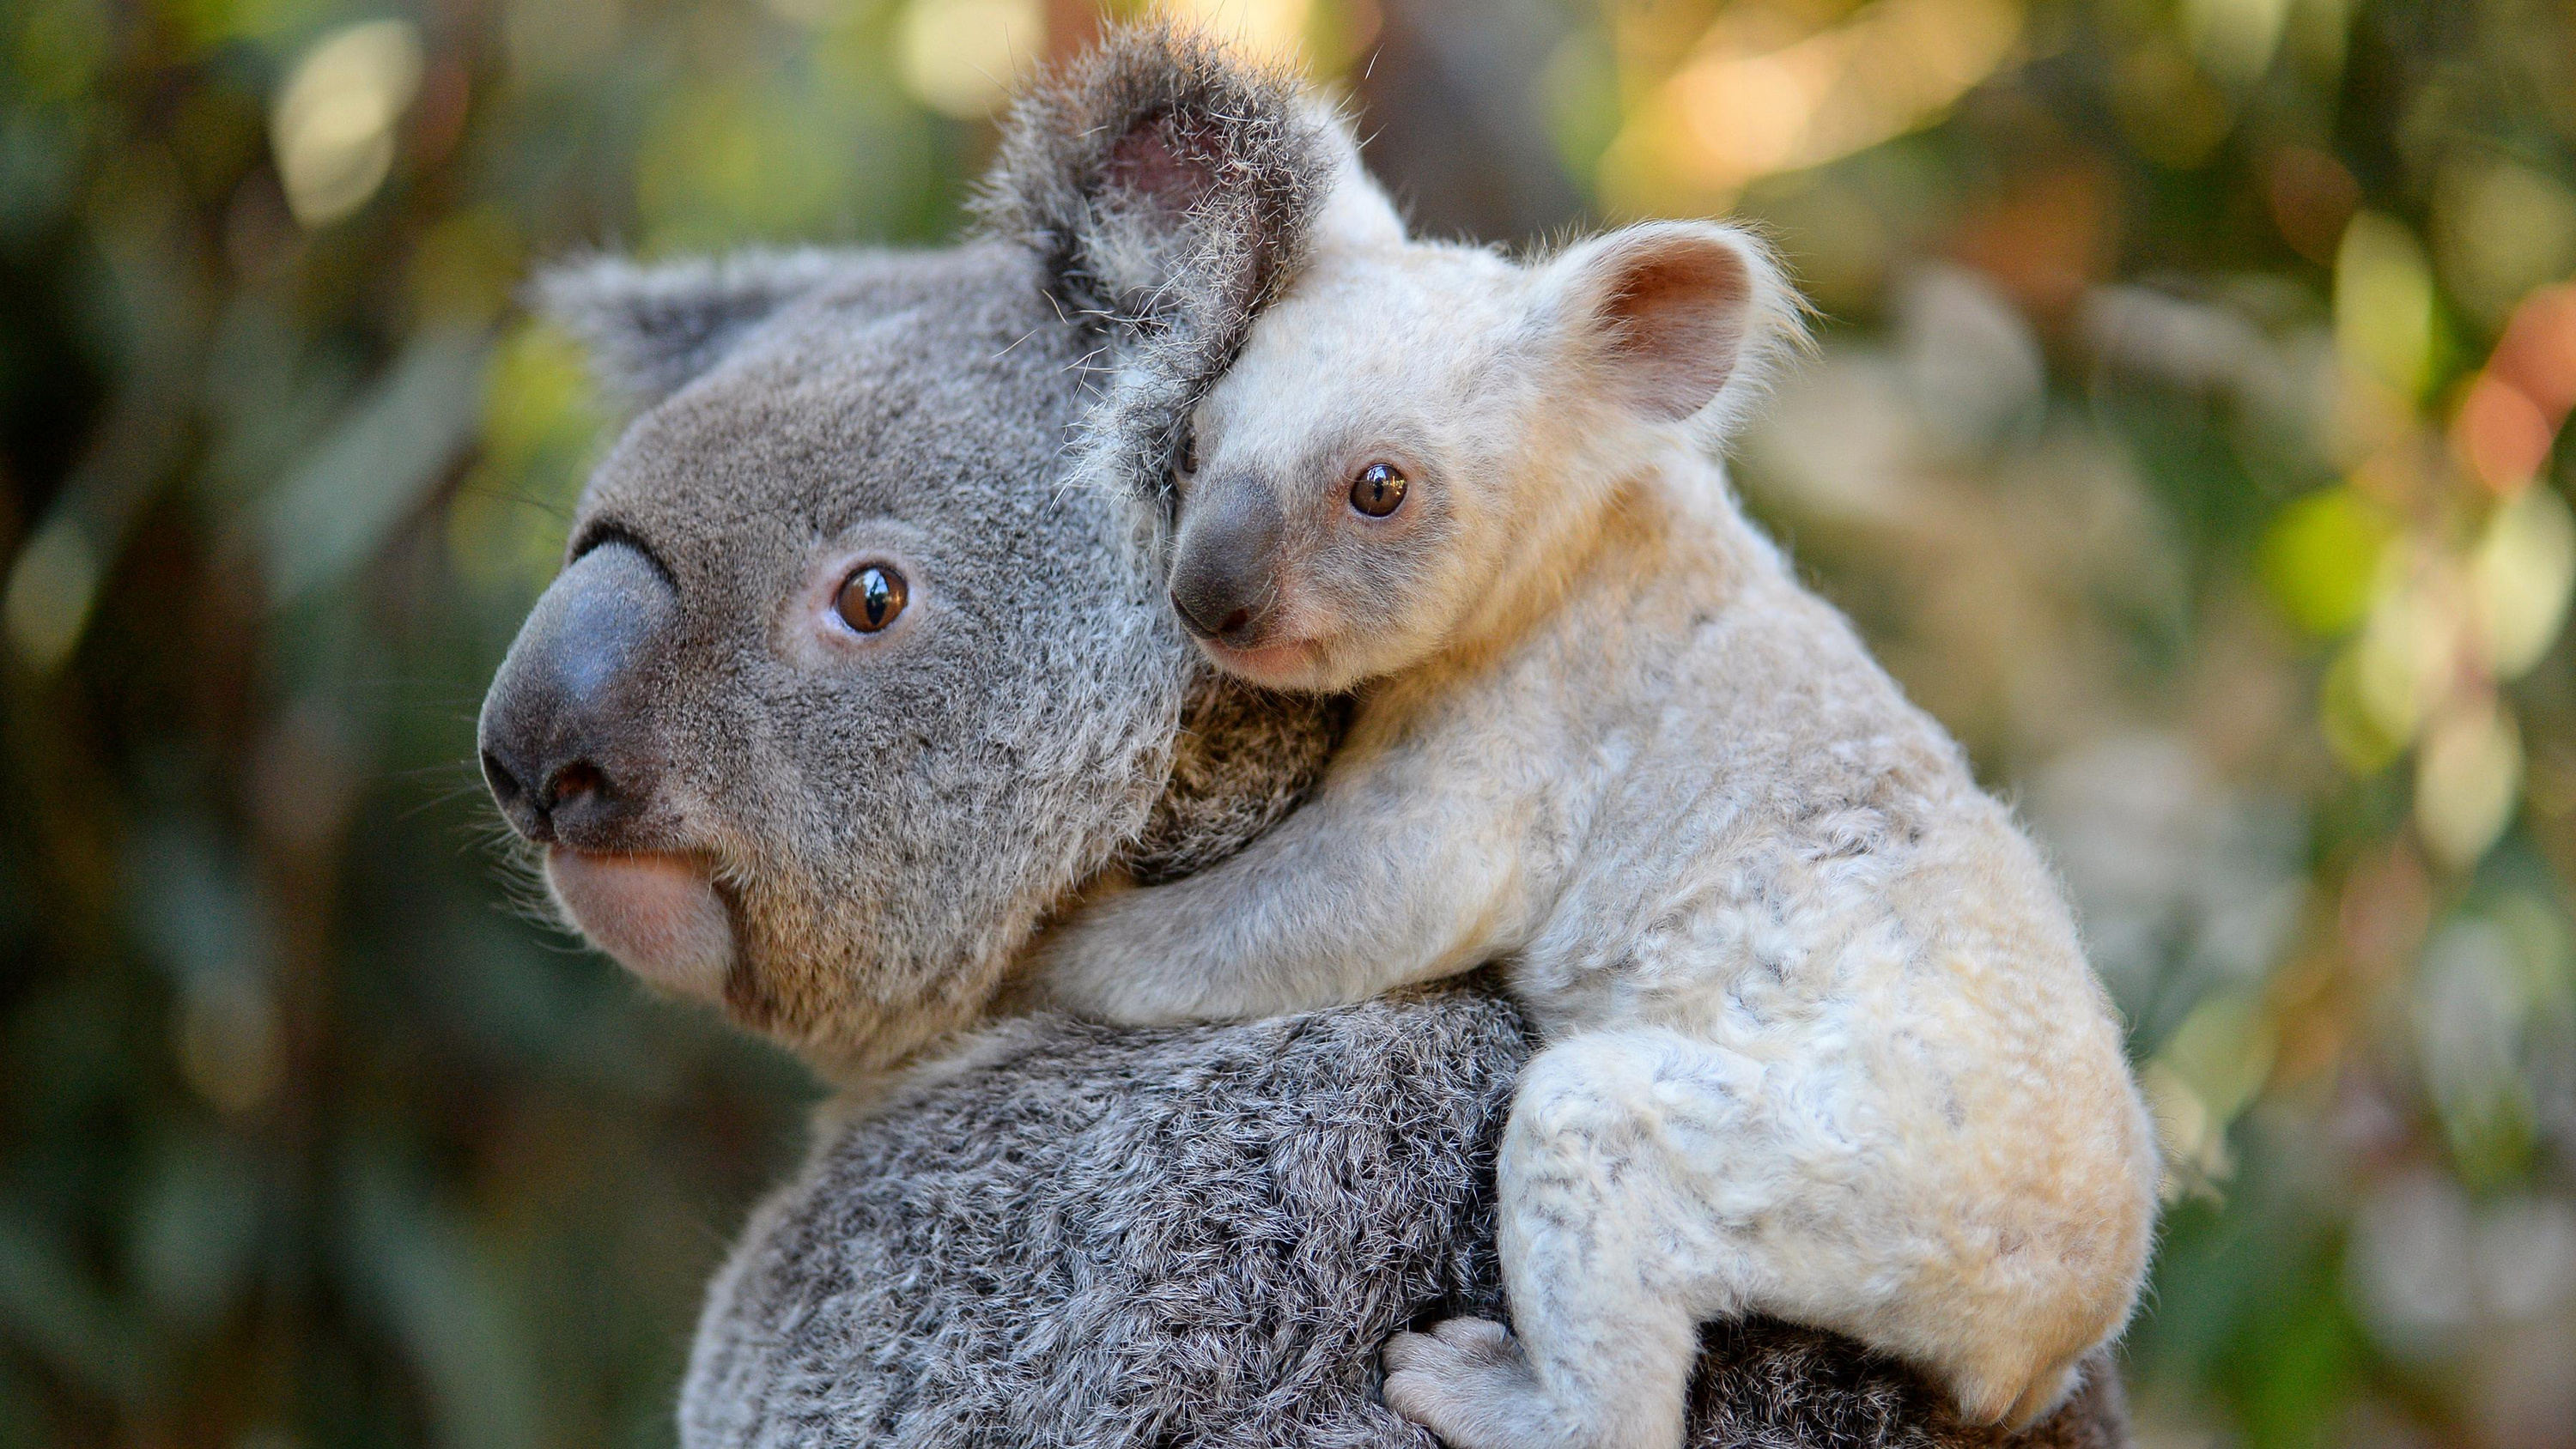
x=962, y=57
x=2519, y=579
x=2404, y=660
x=2383, y=304
x=1747, y=106
x=333, y=123
x=1262, y=27
x=2468, y=777
x=2352, y=731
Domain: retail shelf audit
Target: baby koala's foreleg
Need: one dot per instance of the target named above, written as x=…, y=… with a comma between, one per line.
x=1388, y=877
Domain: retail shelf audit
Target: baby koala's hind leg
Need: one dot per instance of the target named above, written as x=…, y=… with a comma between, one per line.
x=1612, y=1255
x=1650, y=1182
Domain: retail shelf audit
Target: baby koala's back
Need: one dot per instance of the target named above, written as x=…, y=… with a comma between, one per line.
x=1778, y=930
x=1753, y=838
x=1723, y=817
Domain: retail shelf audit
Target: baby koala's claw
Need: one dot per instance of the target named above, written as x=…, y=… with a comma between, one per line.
x=2014, y=1401
x=2045, y=1393
x=1481, y=1339
x=1468, y=1382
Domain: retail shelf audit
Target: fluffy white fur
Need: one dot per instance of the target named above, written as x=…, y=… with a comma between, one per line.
x=1821, y=1038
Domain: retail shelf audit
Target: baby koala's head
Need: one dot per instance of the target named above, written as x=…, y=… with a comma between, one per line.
x=1418, y=438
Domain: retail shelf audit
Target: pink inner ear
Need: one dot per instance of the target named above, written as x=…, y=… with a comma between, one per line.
x=1676, y=316
x=1153, y=162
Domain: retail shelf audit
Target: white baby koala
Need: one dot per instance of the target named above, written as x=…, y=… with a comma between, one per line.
x=1820, y=1040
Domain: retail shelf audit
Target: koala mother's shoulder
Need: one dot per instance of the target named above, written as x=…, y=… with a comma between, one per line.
x=1069, y=1235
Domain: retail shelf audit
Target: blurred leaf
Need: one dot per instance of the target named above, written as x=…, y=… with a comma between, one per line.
x=80, y=1333
x=2521, y=575
x=2321, y=556
x=375, y=467
x=423, y=1278
x=2384, y=304
x=2468, y=779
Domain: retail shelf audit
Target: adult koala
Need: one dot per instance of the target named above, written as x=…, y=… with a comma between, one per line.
x=854, y=673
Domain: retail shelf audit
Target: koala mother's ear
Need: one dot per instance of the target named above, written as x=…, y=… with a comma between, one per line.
x=1676, y=321
x=650, y=329
x=1169, y=188
x=1161, y=172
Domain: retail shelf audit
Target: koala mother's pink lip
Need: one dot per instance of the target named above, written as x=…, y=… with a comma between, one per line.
x=658, y=914
x=1282, y=664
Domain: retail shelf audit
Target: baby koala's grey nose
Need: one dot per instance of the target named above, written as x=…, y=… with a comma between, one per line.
x=1225, y=560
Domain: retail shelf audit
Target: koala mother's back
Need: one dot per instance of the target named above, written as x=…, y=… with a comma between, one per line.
x=1105, y=1239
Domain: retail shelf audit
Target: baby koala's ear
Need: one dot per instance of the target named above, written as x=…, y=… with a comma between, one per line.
x=651, y=328
x=1357, y=214
x=1676, y=320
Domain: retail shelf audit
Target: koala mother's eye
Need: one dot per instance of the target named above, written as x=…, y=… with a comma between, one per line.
x=871, y=597
x=1379, y=490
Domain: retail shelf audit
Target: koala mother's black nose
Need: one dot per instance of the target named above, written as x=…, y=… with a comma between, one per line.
x=568, y=730
x=1225, y=558
x=1234, y=622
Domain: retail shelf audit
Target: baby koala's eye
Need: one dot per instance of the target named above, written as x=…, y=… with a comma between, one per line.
x=1185, y=458
x=871, y=598
x=1379, y=490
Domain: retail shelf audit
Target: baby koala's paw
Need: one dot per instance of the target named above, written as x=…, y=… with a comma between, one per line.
x=1059, y=977
x=1468, y=1382
x=1085, y=966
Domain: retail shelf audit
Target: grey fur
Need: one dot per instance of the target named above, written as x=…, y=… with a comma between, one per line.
x=887, y=827
x=1170, y=278
x=1244, y=758
x=651, y=329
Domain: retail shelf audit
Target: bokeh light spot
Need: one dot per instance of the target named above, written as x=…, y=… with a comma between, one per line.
x=2321, y=556
x=2520, y=577
x=333, y=124
x=2383, y=304
x=2468, y=777
x=51, y=587
x=961, y=57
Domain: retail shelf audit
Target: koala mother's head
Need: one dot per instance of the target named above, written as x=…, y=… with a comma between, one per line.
x=855, y=667
x=836, y=691
x=842, y=685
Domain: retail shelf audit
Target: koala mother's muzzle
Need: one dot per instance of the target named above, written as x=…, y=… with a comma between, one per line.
x=571, y=744
x=567, y=730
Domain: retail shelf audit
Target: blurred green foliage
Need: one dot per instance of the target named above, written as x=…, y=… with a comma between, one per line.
x=2184, y=435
